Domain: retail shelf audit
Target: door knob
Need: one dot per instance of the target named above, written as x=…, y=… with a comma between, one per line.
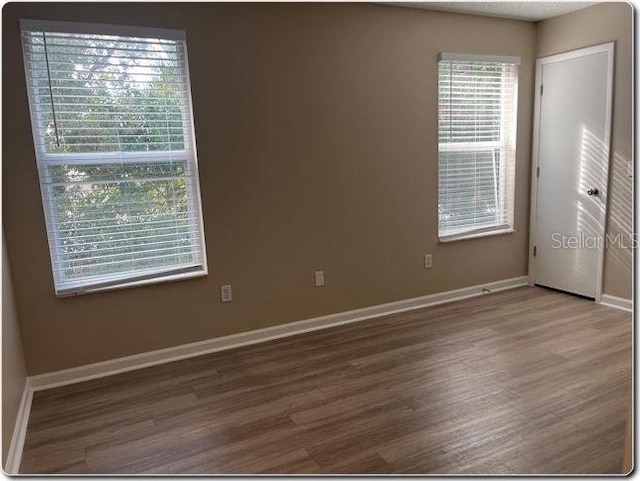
x=593, y=191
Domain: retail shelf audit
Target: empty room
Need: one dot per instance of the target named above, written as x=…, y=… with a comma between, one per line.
x=317, y=238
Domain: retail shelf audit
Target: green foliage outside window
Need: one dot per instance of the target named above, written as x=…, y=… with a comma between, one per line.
x=98, y=95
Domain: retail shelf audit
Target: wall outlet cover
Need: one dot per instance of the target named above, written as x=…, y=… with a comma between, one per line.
x=428, y=261
x=225, y=293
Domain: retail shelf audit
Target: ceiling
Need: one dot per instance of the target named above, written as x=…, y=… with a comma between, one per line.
x=531, y=11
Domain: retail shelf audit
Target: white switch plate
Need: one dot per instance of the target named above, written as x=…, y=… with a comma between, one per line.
x=319, y=278
x=428, y=261
x=225, y=293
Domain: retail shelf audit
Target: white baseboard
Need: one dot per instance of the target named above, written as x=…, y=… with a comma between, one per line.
x=617, y=302
x=14, y=456
x=161, y=356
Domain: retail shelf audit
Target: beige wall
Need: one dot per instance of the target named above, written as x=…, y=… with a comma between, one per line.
x=316, y=130
x=594, y=25
x=13, y=367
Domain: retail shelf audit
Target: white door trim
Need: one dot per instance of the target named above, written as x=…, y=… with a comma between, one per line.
x=607, y=48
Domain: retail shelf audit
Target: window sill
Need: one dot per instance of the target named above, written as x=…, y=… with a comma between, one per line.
x=477, y=235
x=124, y=284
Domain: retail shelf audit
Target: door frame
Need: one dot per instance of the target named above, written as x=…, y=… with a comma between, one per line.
x=609, y=49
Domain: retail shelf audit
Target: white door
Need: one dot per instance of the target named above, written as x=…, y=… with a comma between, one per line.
x=570, y=167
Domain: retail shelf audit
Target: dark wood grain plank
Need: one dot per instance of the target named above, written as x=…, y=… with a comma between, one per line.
x=526, y=381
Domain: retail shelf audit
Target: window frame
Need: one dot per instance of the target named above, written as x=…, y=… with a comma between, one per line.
x=474, y=232
x=44, y=160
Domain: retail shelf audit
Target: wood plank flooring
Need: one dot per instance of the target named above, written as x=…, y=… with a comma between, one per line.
x=524, y=381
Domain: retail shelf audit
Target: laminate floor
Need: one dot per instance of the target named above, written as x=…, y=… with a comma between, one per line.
x=522, y=381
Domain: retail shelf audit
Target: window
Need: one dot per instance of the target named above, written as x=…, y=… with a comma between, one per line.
x=115, y=148
x=477, y=108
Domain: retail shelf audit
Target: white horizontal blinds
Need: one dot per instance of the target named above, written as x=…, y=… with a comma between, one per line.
x=476, y=136
x=115, y=148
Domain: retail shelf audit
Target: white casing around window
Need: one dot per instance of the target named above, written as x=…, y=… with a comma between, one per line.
x=115, y=146
x=477, y=110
